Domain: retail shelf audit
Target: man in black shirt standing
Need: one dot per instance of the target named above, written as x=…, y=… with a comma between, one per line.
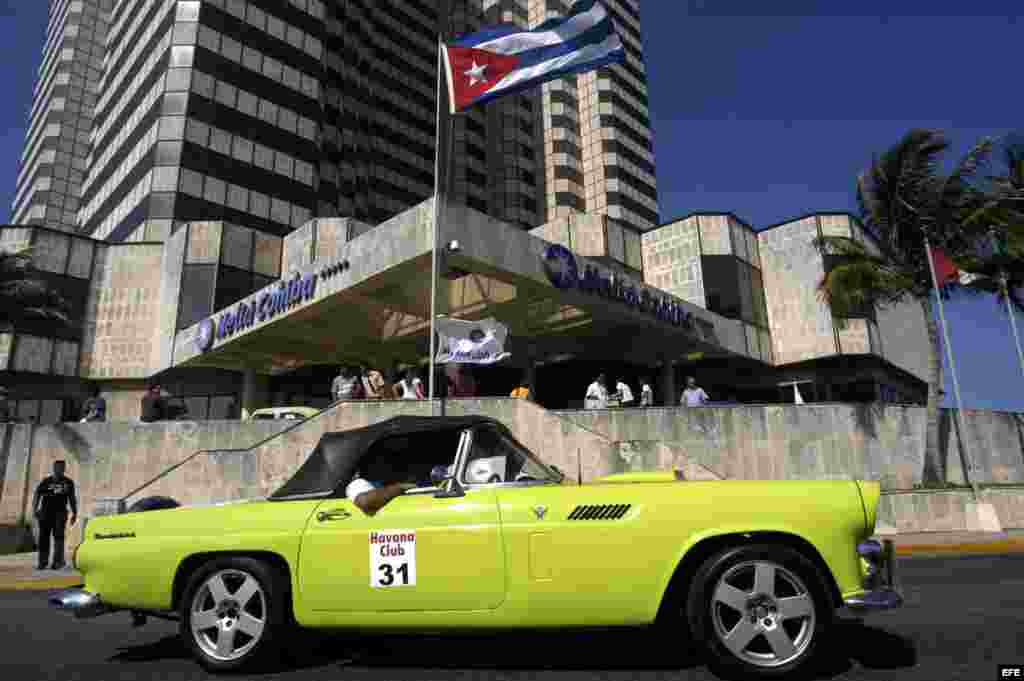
x=50, y=505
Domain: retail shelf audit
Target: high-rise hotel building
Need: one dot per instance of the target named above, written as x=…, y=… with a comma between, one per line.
x=150, y=114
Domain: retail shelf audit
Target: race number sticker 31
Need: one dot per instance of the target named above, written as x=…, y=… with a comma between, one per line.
x=392, y=558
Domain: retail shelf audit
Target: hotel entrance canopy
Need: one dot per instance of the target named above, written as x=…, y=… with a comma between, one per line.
x=369, y=302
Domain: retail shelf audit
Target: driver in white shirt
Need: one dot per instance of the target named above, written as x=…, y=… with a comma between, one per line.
x=370, y=494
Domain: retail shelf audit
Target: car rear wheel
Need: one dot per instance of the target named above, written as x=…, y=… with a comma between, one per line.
x=760, y=611
x=234, y=613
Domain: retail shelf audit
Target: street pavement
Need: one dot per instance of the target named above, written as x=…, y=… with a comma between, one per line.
x=963, y=616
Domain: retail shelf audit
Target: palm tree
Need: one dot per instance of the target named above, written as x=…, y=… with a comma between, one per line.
x=997, y=265
x=23, y=296
x=906, y=203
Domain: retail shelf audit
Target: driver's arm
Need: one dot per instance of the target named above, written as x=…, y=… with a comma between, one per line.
x=370, y=499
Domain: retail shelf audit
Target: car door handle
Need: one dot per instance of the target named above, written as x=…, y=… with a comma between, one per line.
x=333, y=514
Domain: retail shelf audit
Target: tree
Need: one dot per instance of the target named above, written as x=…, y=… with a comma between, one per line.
x=905, y=199
x=996, y=267
x=24, y=297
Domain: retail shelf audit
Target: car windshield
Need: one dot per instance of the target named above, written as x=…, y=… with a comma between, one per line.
x=494, y=458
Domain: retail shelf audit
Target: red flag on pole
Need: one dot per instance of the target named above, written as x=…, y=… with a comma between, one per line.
x=947, y=274
x=945, y=270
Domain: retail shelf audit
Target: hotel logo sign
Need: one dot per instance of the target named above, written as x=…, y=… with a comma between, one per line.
x=564, y=273
x=272, y=301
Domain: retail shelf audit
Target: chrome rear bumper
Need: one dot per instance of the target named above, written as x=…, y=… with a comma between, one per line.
x=83, y=604
x=880, y=585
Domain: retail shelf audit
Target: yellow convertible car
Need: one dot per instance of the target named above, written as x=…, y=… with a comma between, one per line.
x=484, y=536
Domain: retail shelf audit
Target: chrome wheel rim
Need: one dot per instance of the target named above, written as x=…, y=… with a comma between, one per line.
x=763, y=613
x=228, y=615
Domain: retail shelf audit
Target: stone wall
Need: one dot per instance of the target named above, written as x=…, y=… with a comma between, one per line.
x=834, y=441
x=123, y=311
x=800, y=322
x=838, y=442
x=672, y=260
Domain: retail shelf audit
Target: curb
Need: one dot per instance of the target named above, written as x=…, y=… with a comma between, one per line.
x=993, y=547
x=40, y=584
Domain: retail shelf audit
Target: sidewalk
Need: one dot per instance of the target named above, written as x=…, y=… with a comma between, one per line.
x=18, y=573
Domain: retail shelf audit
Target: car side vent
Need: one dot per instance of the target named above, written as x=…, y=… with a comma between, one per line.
x=600, y=512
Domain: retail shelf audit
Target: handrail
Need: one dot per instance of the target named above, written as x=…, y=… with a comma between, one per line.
x=262, y=442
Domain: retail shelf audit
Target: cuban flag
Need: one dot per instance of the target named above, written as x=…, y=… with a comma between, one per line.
x=506, y=59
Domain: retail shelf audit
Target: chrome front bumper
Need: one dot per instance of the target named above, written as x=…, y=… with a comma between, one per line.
x=880, y=599
x=83, y=604
x=880, y=585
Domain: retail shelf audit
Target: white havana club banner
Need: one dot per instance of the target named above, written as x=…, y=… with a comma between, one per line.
x=463, y=342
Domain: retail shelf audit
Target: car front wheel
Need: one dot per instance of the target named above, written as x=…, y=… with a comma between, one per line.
x=234, y=613
x=760, y=611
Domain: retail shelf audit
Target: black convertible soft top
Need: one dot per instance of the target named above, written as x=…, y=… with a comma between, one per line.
x=335, y=457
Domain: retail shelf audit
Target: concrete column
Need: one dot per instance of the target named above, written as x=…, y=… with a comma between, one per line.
x=254, y=392
x=667, y=379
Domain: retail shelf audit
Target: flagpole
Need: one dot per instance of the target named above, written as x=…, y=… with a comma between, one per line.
x=435, y=228
x=1004, y=289
x=952, y=368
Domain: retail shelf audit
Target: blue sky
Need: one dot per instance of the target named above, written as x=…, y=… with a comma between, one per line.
x=768, y=114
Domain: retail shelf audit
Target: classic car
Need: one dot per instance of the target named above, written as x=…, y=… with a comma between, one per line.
x=492, y=538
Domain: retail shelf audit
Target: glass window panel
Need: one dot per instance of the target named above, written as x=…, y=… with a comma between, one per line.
x=231, y=49
x=198, y=132
x=295, y=36
x=168, y=153
x=242, y=149
x=191, y=182
x=172, y=128
x=233, y=284
x=236, y=8
x=238, y=197
x=264, y=157
x=175, y=103
x=307, y=128
x=236, y=247
x=220, y=141
x=259, y=204
x=288, y=120
x=280, y=211
x=268, y=111
x=216, y=190
x=165, y=179
x=275, y=27
x=291, y=77
x=226, y=93
x=248, y=103
x=178, y=79
x=208, y=38
x=185, y=34
x=257, y=17
x=252, y=59
x=161, y=205
x=188, y=11
x=272, y=68
x=313, y=46
x=196, y=299
x=746, y=292
x=284, y=164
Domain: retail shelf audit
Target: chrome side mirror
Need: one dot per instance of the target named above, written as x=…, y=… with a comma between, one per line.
x=438, y=475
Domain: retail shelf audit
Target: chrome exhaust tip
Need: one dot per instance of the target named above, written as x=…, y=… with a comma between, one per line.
x=81, y=603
